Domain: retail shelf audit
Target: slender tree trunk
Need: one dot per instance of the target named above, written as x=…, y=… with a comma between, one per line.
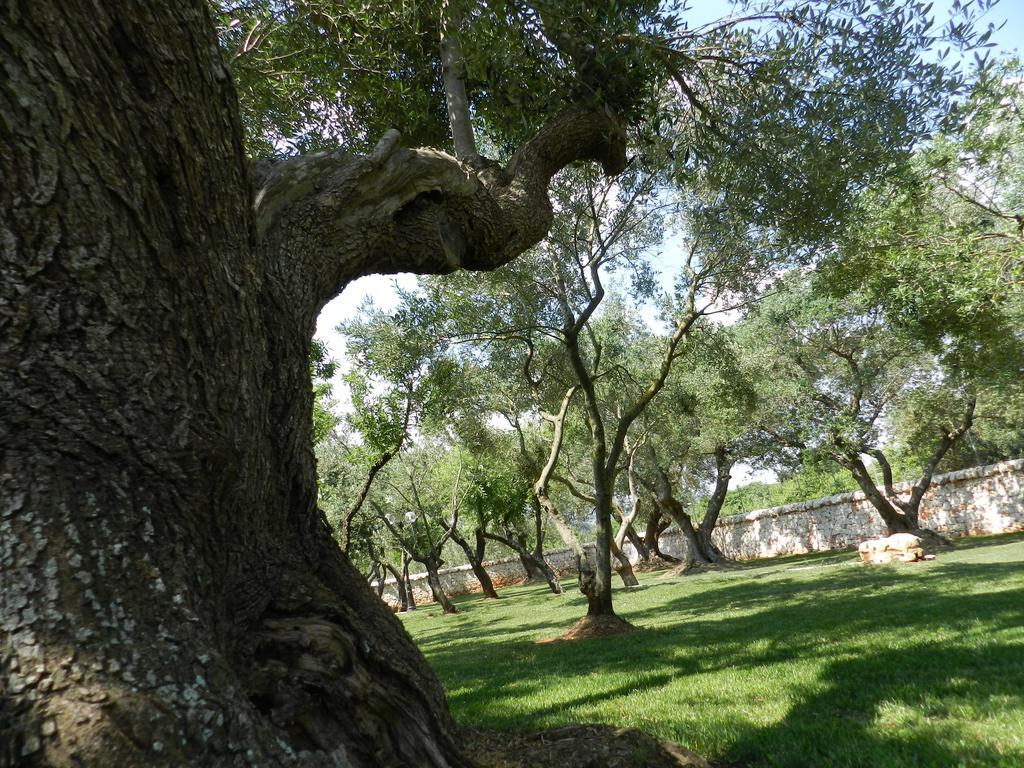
x=707, y=547
x=903, y=515
x=656, y=525
x=642, y=550
x=586, y=569
x=400, y=576
x=538, y=539
x=377, y=575
x=403, y=596
x=410, y=593
x=671, y=508
x=623, y=567
x=475, y=559
x=479, y=570
x=436, y=588
x=599, y=582
x=895, y=520
x=548, y=573
x=532, y=570
x=531, y=564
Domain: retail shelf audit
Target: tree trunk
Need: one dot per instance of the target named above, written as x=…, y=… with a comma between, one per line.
x=530, y=561
x=530, y=566
x=623, y=567
x=377, y=575
x=475, y=559
x=401, y=577
x=478, y=564
x=642, y=550
x=436, y=589
x=895, y=520
x=172, y=595
x=903, y=515
x=656, y=525
x=671, y=508
x=599, y=583
x=410, y=593
x=706, y=546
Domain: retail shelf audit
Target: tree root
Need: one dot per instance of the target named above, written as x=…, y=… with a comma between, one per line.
x=594, y=626
x=577, y=746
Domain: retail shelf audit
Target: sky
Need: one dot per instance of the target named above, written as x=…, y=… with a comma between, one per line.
x=1008, y=15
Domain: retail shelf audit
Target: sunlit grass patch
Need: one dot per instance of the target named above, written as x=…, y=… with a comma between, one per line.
x=812, y=661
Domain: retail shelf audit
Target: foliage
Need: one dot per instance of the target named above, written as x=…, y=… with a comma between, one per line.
x=836, y=370
x=786, y=109
x=812, y=481
x=940, y=247
x=321, y=370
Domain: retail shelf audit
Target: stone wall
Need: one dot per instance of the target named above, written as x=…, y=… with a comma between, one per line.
x=970, y=502
x=974, y=501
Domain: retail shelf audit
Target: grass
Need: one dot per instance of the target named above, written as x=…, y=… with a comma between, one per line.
x=811, y=661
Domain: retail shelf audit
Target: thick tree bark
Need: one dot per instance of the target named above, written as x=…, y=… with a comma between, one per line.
x=172, y=595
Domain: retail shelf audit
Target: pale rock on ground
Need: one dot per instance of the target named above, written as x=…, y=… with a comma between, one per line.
x=898, y=548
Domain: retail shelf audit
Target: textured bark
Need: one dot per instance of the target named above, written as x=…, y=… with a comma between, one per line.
x=436, y=588
x=536, y=566
x=475, y=557
x=623, y=567
x=171, y=593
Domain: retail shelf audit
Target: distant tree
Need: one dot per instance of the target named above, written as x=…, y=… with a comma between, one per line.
x=420, y=504
x=842, y=370
x=399, y=383
x=709, y=417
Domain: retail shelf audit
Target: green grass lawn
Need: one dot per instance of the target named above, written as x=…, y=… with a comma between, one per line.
x=801, y=661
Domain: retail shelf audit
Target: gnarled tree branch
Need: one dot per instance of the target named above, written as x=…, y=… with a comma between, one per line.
x=338, y=217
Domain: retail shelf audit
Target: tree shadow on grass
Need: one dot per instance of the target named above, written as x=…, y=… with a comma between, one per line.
x=899, y=583
x=886, y=710
x=883, y=643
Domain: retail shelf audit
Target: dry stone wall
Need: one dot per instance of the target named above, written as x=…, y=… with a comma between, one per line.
x=970, y=502
x=980, y=500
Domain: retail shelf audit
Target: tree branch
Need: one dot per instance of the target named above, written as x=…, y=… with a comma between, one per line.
x=328, y=218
